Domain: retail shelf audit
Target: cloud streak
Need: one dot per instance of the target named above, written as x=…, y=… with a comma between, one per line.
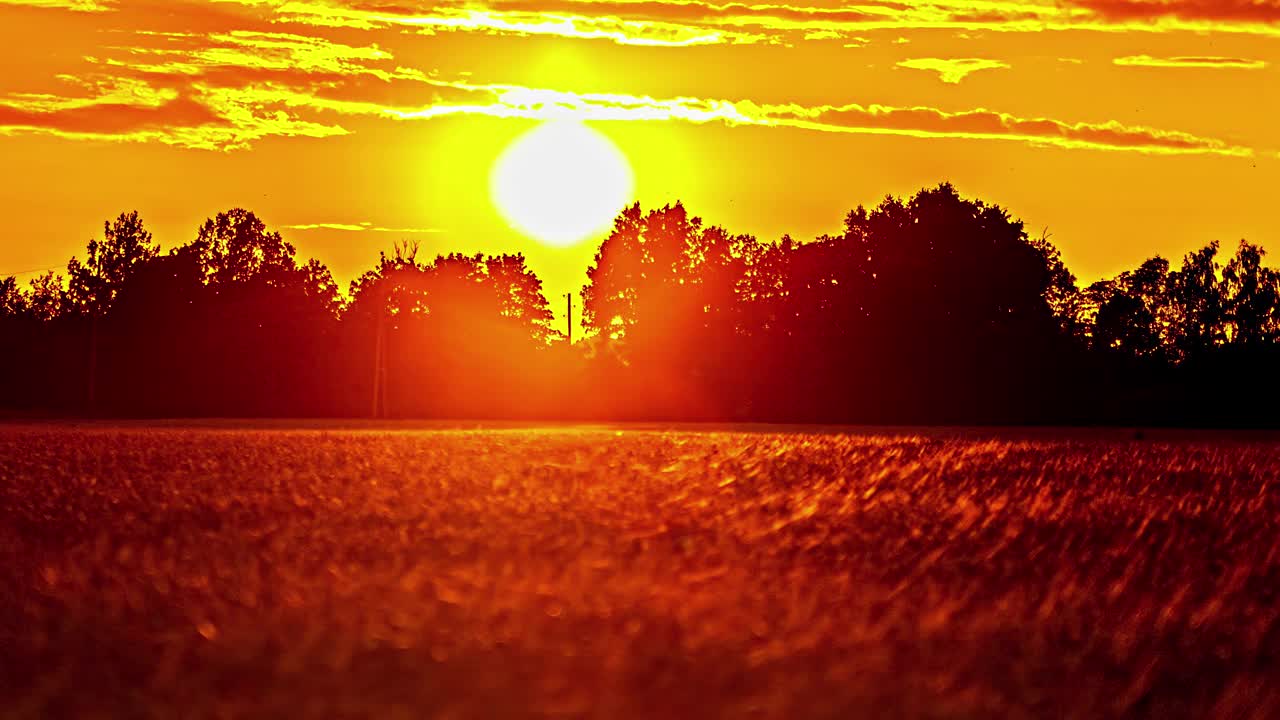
x=225, y=119
x=686, y=23
x=76, y=5
x=982, y=124
x=504, y=101
x=952, y=70
x=1259, y=12
x=706, y=22
x=226, y=91
x=133, y=111
x=1209, y=62
x=363, y=227
x=651, y=29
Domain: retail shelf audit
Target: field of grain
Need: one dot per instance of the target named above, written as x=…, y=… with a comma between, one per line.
x=386, y=571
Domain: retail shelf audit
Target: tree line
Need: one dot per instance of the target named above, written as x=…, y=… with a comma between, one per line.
x=932, y=309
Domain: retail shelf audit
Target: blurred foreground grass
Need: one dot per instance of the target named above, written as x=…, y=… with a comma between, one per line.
x=228, y=572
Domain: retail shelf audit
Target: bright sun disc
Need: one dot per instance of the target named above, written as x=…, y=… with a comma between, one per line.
x=561, y=182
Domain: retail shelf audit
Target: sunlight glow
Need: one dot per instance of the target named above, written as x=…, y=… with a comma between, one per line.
x=561, y=182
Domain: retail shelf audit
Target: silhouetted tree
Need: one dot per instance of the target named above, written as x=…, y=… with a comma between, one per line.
x=13, y=304
x=1131, y=314
x=934, y=308
x=93, y=285
x=1252, y=305
x=1197, y=304
x=48, y=299
x=666, y=289
x=520, y=299
x=236, y=247
x=126, y=247
x=936, y=305
x=456, y=336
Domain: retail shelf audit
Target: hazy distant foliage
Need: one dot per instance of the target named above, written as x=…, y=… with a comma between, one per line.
x=930, y=309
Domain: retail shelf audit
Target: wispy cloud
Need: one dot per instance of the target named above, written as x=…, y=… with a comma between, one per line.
x=705, y=22
x=133, y=111
x=1262, y=12
x=985, y=124
x=922, y=122
x=1191, y=61
x=219, y=118
x=682, y=23
x=559, y=19
x=243, y=56
x=363, y=227
x=226, y=91
x=200, y=91
x=76, y=5
x=952, y=70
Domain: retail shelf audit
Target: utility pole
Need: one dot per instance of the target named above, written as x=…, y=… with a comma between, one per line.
x=568, y=297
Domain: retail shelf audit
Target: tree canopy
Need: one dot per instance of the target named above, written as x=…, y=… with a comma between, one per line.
x=932, y=308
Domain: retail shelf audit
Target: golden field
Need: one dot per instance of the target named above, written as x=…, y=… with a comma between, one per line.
x=266, y=570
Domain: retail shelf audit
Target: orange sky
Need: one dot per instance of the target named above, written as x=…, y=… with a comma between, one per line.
x=1126, y=127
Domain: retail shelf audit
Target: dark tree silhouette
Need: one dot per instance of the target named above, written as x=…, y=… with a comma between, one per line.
x=462, y=334
x=236, y=247
x=1131, y=313
x=1252, y=306
x=13, y=304
x=934, y=308
x=666, y=288
x=125, y=248
x=48, y=299
x=1197, y=303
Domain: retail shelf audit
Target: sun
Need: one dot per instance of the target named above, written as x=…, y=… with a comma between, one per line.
x=561, y=182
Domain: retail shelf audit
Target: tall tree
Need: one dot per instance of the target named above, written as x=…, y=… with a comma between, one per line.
x=460, y=334
x=236, y=246
x=13, y=304
x=664, y=273
x=1253, y=297
x=1197, y=303
x=47, y=298
x=520, y=298
x=126, y=246
x=1131, y=314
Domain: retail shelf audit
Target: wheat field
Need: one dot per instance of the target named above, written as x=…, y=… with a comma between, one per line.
x=240, y=570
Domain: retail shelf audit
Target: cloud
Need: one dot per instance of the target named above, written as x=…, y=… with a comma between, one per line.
x=1191, y=62
x=233, y=118
x=560, y=19
x=108, y=118
x=227, y=91
x=991, y=125
x=506, y=101
x=134, y=111
x=1223, y=11
x=362, y=227
x=76, y=5
x=952, y=70
x=242, y=56
x=200, y=91
x=704, y=22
